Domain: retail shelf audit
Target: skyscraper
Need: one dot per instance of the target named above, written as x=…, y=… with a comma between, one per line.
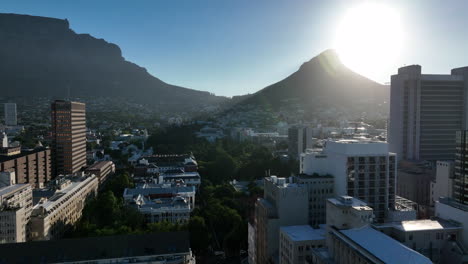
x=425, y=113
x=460, y=181
x=68, y=136
x=10, y=114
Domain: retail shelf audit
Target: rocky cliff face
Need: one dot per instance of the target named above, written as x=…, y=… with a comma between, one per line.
x=43, y=57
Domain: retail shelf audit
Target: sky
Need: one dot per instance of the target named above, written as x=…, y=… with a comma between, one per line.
x=234, y=47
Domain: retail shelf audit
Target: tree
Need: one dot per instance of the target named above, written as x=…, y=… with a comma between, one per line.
x=200, y=236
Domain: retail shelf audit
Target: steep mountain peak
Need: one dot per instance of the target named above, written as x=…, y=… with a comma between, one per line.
x=328, y=59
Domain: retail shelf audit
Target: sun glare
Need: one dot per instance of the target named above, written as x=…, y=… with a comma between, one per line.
x=369, y=38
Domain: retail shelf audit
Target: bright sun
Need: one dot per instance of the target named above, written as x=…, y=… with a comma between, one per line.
x=369, y=39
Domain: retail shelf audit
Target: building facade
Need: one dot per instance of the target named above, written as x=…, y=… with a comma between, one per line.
x=284, y=204
x=10, y=114
x=102, y=170
x=299, y=139
x=15, y=212
x=414, y=181
x=363, y=169
x=68, y=136
x=460, y=181
x=425, y=113
x=53, y=215
x=320, y=188
x=29, y=166
x=442, y=185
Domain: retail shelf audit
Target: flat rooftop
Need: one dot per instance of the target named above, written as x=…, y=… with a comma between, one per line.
x=348, y=201
x=384, y=247
x=11, y=189
x=24, y=152
x=303, y=233
x=99, y=165
x=421, y=225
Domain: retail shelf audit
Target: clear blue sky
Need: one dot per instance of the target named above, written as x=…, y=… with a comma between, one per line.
x=232, y=47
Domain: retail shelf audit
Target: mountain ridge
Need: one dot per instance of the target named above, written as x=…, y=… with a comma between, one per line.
x=43, y=56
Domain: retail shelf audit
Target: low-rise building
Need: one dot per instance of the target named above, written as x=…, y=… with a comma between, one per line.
x=15, y=211
x=102, y=170
x=296, y=243
x=60, y=208
x=428, y=236
x=166, y=247
x=158, y=191
x=175, y=210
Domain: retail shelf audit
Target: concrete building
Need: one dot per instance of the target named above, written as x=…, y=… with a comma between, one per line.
x=351, y=239
x=428, y=237
x=284, y=204
x=299, y=139
x=451, y=210
x=157, y=191
x=442, y=185
x=15, y=212
x=414, y=181
x=157, y=248
x=10, y=114
x=361, y=168
x=460, y=180
x=426, y=110
x=296, y=243
x=68, y=136
x=102, y=170
x=31, y=166
x=61, y=206
x=320, y=188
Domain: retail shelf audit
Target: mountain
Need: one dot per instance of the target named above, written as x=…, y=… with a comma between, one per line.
x=42, y=56
x=323, y=83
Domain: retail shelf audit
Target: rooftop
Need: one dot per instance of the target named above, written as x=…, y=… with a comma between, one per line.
x=11, y=189
x=348, y=201
x=95, y=248
x=22, y=154
x=303, y=233
x=99, y=165
x=384, y=247
x=421, y=225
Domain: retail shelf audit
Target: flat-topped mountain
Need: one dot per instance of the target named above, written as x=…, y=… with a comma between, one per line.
x=43, y=57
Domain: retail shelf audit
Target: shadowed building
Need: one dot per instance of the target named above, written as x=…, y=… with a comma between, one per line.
x=426, y=111
x=68, y=136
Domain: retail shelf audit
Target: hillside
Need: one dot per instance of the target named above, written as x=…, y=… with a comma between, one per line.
x=44, y=57
x=323, y=82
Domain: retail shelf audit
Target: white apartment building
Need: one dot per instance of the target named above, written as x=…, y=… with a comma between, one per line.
x=175, y=210
x=361, y=168
x=296, y=243
x=15, y=212
x=53, y=215
x=10, y=114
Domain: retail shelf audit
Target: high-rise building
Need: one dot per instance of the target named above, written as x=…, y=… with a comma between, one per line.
x=426, y=111
x=10, y=114
x=299, y=139
x=364, y=169
x=460, y=181
x=68, y=136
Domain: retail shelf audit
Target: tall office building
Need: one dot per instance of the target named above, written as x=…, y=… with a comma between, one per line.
x=299, y=139
x=68, y=136
x=426, y=111
x=10, y=114
x=460, y=181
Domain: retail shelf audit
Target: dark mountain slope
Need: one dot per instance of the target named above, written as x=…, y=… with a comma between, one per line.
x=321, y=82
x=43, y=57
